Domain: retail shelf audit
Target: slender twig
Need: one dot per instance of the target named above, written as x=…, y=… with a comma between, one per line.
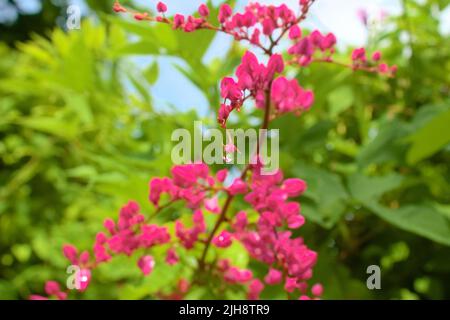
x=161, y=208
x=370, y=69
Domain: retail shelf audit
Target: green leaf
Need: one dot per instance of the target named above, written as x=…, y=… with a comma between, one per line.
x=419, y=219
x=315, y=136
x=140, y=47
x=80, y=105
x=54, y=126
x=365, y=189
x=138, y=28
x=152, y=72
x=432, y=137
x=326, y=194
x=140, y=87
x=385, y=146
x=21, y=251
x=340, y=100
x=84, y=172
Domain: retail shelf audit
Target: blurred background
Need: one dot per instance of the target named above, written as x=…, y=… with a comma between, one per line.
x=86, y=117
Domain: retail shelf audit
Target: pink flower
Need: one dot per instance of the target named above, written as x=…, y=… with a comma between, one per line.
x=275, y=65
x=146, y=264
x=37, y=297
x=295, y=221
x=230, y=90
x=183, y=285
x=329, y=41
x=254, y=289
x=394, y=69
x=294, y=187
x=376, y=56
x=291, y=212
x=84, y=257
x=240, y=221
x=100, y=253
x=61, y=295
x=235, y=275
x=178, y=21
x=290, y=284
x=187, y=175
x=140, y=16
x=199, y=221
x=203, y=10
x=383, y=68
x=223, y=265
x=295, y=32
x=255, y=37
x=221, y=175
x=109, y=225
x=303, y=48
x=172, y=257
x=273, y=277
x=71, y=253
x=118, y=8
x=100, y=238
x=359, y=54
x=268, y=26
x=161, y=7
x=212, y=204
x=237, y=187
x=151, y=235
x=188, y=237
x=83, y=278
x=225, y=12
x=52, y=288
x=223, y=240
x=317, y=290
x=223, y=114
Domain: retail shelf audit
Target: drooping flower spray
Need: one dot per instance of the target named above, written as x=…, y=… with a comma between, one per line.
x=268, y=238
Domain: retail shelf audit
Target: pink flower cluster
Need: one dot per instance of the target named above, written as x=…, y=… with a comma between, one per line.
x=305, y=47
x=189, y=236
x=269, y=242
x=190, y=182
x=129, y=234
x=360, y=61
x=267, y=194
x=255, y=80
x=235, y=276
x=256, y=20
x=289, y=96
x=52, y=289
